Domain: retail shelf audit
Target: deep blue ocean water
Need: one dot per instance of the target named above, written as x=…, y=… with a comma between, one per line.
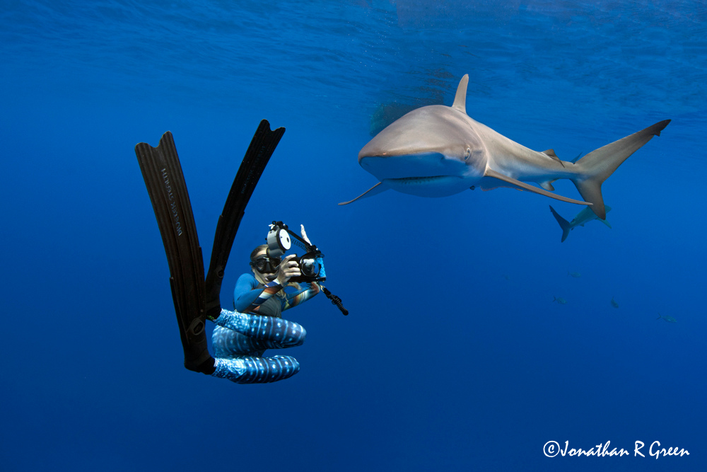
x=454, y=356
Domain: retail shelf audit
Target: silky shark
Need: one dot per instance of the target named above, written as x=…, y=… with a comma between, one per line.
x=437, y=151
x=584, y=216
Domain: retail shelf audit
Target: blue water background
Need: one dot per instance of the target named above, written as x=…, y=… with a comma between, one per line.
x=454, y=356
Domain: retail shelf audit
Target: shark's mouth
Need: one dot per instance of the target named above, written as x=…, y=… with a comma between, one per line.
x=432, y=186
x=420, y=180
x=410, y=166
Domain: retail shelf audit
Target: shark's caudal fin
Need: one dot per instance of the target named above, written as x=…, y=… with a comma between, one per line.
x=598, y=165
x=564, y=224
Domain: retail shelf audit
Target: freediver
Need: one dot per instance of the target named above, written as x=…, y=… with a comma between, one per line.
x=263, y=293
x=197, y=297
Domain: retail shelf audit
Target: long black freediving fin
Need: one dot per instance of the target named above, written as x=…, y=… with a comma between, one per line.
x=191, y=293
x=256, y=158
x=165, y=183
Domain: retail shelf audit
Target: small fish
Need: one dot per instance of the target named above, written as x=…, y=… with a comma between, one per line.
x=506, y=277
x=667, y=318
x=614, y=303
x=576, y=275
x=559, y=300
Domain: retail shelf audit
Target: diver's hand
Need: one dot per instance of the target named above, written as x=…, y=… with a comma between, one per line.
x=287, y=269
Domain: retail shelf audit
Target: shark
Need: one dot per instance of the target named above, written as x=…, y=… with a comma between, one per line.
x=584, y=216
x=438, y=150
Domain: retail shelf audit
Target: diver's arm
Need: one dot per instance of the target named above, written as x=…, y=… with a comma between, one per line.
x=249, y=294
x=294, y=299
x=310, y=290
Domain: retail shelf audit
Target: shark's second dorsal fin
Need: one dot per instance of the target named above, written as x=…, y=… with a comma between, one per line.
x=551, y=154
x=460, y=97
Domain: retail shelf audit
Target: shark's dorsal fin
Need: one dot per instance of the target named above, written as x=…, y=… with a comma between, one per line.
x=460, y=97
x=375, y=190
x=551, y=153
x=524, y=186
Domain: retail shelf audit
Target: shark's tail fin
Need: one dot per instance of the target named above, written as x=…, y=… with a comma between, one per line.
x=564, y=224
x=598, y=165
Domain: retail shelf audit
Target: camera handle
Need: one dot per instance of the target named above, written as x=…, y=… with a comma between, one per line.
x=335, y=300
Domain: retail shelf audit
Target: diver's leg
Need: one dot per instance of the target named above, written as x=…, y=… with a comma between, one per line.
x=272, y=333
x=256, y=369
x=237, y=335
x=231, y=344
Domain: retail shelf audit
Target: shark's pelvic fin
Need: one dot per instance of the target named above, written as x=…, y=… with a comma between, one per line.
x=598, y=165
x=524, y=186
x=460, y=97
x=375, y=190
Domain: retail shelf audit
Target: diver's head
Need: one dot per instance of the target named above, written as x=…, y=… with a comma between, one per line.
x=264, y=267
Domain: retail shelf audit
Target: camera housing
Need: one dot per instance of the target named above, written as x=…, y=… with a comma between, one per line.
x=310, y=264
x=310, y=267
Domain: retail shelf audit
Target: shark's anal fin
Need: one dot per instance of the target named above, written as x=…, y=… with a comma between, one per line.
x=375, y=190
x=530, y=188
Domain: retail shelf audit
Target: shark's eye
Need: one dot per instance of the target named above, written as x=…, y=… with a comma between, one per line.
x=467, y=155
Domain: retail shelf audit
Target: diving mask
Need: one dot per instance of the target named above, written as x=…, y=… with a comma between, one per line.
x=266, y=264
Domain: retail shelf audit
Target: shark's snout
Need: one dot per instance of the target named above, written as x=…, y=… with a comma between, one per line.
x=429, y=174
x=415, y=165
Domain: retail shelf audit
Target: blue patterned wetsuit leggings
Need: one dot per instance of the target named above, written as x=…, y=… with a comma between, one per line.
x=240, y=339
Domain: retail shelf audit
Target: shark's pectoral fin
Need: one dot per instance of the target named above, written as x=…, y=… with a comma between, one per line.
x=375, y=190
x=530, y=188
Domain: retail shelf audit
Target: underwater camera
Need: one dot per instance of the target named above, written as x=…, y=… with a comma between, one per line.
x=311, y=265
